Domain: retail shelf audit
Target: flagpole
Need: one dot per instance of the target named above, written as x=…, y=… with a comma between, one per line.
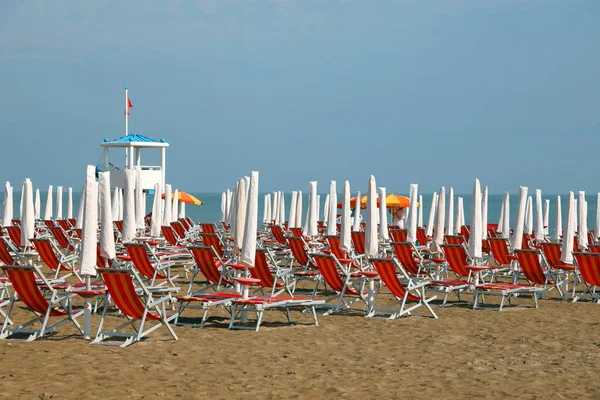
x=126, y=125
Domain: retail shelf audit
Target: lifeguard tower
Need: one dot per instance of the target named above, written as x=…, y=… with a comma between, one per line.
x=133, y=145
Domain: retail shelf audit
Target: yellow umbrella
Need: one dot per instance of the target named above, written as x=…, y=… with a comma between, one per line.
x=391, y=201
x=187, y=198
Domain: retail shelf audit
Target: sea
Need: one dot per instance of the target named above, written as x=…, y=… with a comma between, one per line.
x=210, y=210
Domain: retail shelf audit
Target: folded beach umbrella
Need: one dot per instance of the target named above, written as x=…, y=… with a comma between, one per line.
x=182, y=209
x=356, y=222
x=223, y=206
x=326, y=210
x=28, y=217
x=476, y=222
x=115, y=204
x=157, y=211
x=331, y=209
x=440, y=218
x=460, y=215
x=140, y=210
x=566, y=254
x=539, y=218
x=267, y=209
x=275, y=212
x=411, y=235
x=313, y=210
x=597, y=225
x=232, y=206
x=371, y=244
x=520, y=219
x=484, y=213
x=168, y=207
x=318, y=206
x=506, y=215
x=582, y=239
x=383, y=223
x=21, y=203
x=70, y=203
x=450, y=214
x=48, y=210
x=107, y=236
x=121, y=205
x=59, y=203
x=251, y=223
x=87, y=257
x=345, y=226
x=431, y=219
x=298, y=210
x=500, y=228
x=281, y=207
x=8, y=205
x=240, y=217
x=38, y=204
x=175, y=206
x=420, y=219
x=558, y=229
x=292, y=220
x=79, y=222
x=546, y=216
x=229, y=201
x=528, y=226
x=128, y=233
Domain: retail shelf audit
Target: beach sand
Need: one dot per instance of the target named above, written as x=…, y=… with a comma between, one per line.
x=551, y=352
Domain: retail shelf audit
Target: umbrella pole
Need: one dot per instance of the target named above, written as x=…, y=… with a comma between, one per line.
x=87, y=311
x=245, y=293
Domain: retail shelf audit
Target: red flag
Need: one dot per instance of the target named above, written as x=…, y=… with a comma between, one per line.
x=129, y=105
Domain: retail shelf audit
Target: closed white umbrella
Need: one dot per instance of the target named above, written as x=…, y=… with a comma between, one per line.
x=460, y=212
x=313, y=210
x=232, y=207
x=88, y=255
x=28, y=217
x=558, y=230
x=251, y=223
x=326, y=211
x=281, y=208
x=275, y=212
x=331, y=208
x=420, y=219
x=345, y=226
x=597, y=225
x=371, y=244
x=21, y=203
x=267, y=209
x=546, y=216
x=223, y=206
x=484, y=213
x=240, y=217
x=500, y=228
x=8, y=205
x=140, y=211
x=383, y=222
x=539, y=218
x=38, y=204
x=431, y=220
x=175, y=206
x=438, y=234
x=79, y=222
x=506, y=223
x=121, y=204
x=318, y=207
x=411, y=235
x=450, y=215
x=157, y=210
x=107, y=237
x=182, y=210
x=229, y=201
x=299, y=210
x=115, y=205
x=292, y=219
x=528, y=217
x=476, y=222
x=48, y=210
x=128, y=233
x=70, y=203
x=59, y=202
x=566, y=254
x=520, y=219
x=356, y=222
x=582, y=239
x=168, y=207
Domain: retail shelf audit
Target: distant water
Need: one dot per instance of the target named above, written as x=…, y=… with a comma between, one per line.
x=210, y=211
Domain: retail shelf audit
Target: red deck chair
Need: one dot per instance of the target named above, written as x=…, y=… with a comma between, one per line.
x=48, y=223
x=102, y=262
x=413, y=293
x=358, y=240
x=64, y=223
x=5, y=257
x=589, y=267
x=262, y=272
x=170, y=235
x=15, y=222
x=213, y=240
x=552, y=253
x=454, y=239
x=297, y=232
x=152, y=270
x=500, y=250
x=591, y=236
x=47, y=254
x=465, y=232
x=14, y=233
x=208, y=228
x=179, y=229
x=398, y=235
x=61, y=238
x=46, y=304
x=594, y=248
x=72, y=222
x=78, y=233
x=422, y=237
x=119, y=225
x=278, y=234
x=536, y=273
x=491, y=232
x=342, y=257
x=209, y=264
x=138, y=307
x=299, y=253
x=186, y=225
x=330, y=270
x=410, y=259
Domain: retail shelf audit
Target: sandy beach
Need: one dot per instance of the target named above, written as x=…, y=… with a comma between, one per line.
x=551, y=352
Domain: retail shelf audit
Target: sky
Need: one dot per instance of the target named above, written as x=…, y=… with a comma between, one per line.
x=431, y=92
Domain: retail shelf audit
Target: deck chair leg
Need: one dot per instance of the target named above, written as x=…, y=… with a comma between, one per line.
x=475, y=298
x=314, y=313
x=502, y=301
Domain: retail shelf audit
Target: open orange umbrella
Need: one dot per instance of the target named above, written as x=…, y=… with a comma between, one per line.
x=353, y=204
x=187, y=198
x=391, y=201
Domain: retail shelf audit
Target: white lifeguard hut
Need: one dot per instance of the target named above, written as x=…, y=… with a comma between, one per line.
x=133, y=145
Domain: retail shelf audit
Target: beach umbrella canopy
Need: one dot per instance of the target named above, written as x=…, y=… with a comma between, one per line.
x=157, y=210
x=88, y=255
x=371, y=244
x=484, y=213
x=528, y=227
x=299, y=210
x=356, y=206
x=313, y=210
x=267, y=209
x=281, y=206
x=501, y=219
x=181, y=210
x=140, y=210
x=227, y=205
x=520, y=218
x=440, y=218
x=128, y=233
x=582, y=239
x=107, y=237
x=383, y=225
x=391, y=201
x=546, y=216
x=48, y=210
x=251, y=223
x=330, y=209
x=431, y=220
x=476, y=222
x=345, y=226
x=175, y=206
x=597, y=225
x=558, y=230
x=411, y=235
x=70, y=203
x=292, y=220
x=232, y=207
x=566, y=254
x=28, y=216
x=168, y=209
x=240, y=217
x=59, y=202
x=506, y=215
x=184, y=197
x=326, y=210
x=115, y=204
x=420, y=219
x=7, y=212
x=38, y=204
x=79, y=222
x=223, y=206
x=121, y=206
x=539, y=218
x=450, y=215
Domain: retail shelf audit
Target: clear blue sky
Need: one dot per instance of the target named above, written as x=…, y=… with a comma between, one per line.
x=428, y=92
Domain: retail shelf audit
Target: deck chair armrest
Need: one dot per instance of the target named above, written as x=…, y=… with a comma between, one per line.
x=159, y=301
x=418, y=285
